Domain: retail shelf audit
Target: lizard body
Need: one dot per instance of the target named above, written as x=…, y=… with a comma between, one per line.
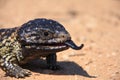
x=36, y=38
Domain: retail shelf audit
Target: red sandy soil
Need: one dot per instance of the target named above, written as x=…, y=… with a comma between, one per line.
x=96, y=23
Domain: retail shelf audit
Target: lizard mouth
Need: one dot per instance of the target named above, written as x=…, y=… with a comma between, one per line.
x=56, y=46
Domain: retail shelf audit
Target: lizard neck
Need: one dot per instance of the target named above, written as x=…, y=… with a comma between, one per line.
x=5, y=33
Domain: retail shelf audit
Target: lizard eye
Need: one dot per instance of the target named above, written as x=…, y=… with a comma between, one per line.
x=46, y=34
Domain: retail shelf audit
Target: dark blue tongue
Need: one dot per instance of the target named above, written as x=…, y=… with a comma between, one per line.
x=71, y=44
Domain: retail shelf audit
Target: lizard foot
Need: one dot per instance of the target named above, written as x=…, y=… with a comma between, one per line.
x=18, y=72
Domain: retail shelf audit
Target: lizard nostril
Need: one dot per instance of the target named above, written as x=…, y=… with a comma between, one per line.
x=63, y=36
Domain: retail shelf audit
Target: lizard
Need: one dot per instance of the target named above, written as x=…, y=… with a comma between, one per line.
x=36, y=38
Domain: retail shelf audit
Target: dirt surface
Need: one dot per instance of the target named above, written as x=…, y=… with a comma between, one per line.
x=96, y=23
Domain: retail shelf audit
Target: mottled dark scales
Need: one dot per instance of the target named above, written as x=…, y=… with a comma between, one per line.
x=34, y=39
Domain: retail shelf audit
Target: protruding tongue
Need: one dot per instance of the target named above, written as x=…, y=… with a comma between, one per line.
x=71, y=44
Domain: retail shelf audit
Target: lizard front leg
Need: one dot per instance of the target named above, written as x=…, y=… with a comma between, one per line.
x=52, y=61
x=11, y=68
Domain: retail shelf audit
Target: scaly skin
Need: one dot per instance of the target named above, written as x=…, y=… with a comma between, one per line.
x=36, y=38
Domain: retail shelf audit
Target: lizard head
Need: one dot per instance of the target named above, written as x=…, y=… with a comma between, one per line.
x=45, y=34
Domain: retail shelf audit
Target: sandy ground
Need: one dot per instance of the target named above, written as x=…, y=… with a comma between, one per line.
x=92, y=22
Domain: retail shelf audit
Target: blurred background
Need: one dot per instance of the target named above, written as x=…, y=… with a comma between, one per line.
x=96, y=23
